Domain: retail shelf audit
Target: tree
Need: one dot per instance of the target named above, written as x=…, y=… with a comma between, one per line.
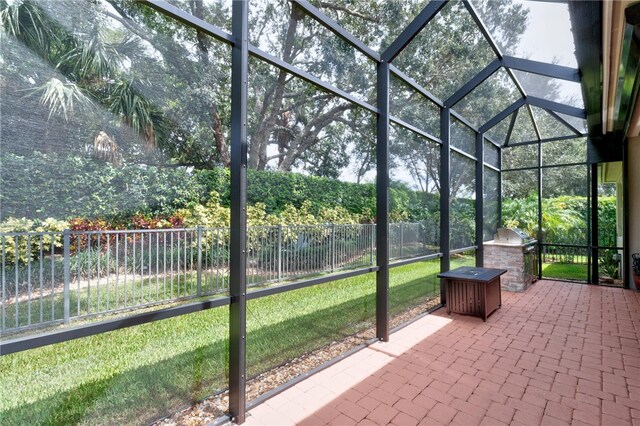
x=151, y=76
x=120, y=79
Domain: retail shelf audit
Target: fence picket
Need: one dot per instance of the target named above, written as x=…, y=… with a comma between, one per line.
x=275, y=254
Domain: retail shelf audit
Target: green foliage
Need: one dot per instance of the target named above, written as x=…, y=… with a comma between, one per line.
x=609, y=263
x=82, y=187
x=564, y=219
x=29, y=248
x=277, y=190
x=215, y=215
x=47, y=185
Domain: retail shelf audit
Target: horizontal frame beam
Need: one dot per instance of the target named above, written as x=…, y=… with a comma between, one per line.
x=415, y=85
x=463, y=153
x=489, y=166
x=414, y=129
x=558, y=138
x=542, y=68
x=270, y=291
x=414, y=260
x=545, y=166
x=488, y=138
x=412, y=30
x=464, y=121
x=463, y=249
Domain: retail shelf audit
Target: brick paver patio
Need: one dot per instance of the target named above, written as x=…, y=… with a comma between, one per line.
x=560, y=353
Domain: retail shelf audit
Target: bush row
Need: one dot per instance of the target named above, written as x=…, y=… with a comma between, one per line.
x=50, y=185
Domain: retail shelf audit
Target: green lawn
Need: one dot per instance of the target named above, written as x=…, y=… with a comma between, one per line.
x=134, y=375
x=565, y=271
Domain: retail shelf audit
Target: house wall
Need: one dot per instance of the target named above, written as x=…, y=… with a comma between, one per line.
x=634, y=200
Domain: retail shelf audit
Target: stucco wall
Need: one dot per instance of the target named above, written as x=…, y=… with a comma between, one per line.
x=634, y=199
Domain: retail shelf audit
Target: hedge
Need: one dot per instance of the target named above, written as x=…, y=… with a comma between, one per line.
x=50, y=185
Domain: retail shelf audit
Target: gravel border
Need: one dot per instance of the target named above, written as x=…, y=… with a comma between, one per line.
x=216, y=406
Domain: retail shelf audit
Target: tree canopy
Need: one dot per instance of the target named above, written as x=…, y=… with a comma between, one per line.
x=118, y=82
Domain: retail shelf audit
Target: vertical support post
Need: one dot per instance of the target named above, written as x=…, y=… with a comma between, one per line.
x=540, y=242
x=595, y=273
x=627, y=263
x=333, y=247
x=372, y=228
x=382, y=204
x=500, y=188
x=238, y=229
x=66, y=258
x=589, y=226
x=445, y=173
x=279, y=253
x=401, y=240
x=199, y=270
x=479, y=198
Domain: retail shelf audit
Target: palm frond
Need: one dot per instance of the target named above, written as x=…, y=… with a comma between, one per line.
x=62, y=98
x=137, y=112
x=26, y=21
x=96, y=59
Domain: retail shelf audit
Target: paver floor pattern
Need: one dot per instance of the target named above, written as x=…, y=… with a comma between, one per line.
x=559, y=353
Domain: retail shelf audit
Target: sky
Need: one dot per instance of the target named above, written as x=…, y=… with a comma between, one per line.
x=548, y=38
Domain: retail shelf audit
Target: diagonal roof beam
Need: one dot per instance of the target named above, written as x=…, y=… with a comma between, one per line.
x=483, y=29
x=512, y=124
x=337, y=29
x=496, y=49
x=542, y=68
x=492, y=43
x=534, y=122
x=502, y=115
x=555, y=106
x=415, y=85
x=412, y=30
x=473, y=83
x=565, y=122
x=190, y=20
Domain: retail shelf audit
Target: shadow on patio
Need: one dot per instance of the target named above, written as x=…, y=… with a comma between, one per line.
x=560, y=353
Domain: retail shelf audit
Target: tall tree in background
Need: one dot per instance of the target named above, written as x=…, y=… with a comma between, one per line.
x=140, y=87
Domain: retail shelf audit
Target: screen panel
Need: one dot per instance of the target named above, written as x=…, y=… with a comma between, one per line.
x=447, y=53
x=463, y=196
x=284, y=30
x=463, y=137
x=136, y=375
x=414, y=195
x=412, y=107
x=311, y=181
x=113, y=144
x=490, y=203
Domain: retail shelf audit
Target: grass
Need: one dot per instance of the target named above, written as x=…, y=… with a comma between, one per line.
x=135, y=375
x=104, y=296
x=97, y=296
x=565, y=271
